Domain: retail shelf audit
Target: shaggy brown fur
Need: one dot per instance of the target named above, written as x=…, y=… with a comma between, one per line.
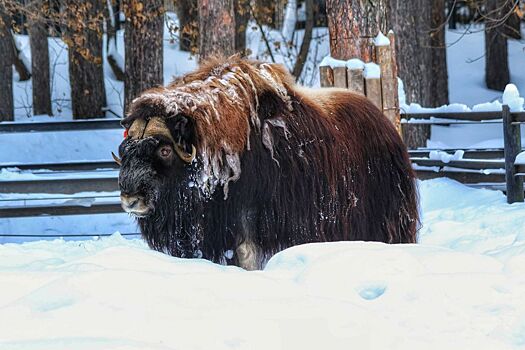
x=277, y=165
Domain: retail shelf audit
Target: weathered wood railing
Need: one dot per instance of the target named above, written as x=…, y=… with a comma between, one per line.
x=476, y=166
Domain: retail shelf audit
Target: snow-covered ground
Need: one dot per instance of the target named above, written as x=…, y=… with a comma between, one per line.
x=463, y=287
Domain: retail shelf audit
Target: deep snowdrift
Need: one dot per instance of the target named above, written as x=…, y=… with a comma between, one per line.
x=462, y=288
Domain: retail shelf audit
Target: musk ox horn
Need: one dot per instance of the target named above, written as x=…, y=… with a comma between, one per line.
x=116, y=159
x=186, y=157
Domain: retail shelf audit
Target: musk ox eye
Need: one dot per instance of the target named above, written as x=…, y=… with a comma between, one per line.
x=165, y=151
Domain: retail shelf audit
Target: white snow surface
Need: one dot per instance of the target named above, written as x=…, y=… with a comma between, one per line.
x=372, y=71
x=381, y=40
x=511, y=97
x=520, y=158
x=462, y=287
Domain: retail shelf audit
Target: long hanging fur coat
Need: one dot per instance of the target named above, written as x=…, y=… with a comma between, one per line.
x=277, y=165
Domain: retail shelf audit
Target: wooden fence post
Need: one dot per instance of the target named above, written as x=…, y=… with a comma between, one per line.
x=373, y=84
x=340, y=77
x=512, y=147
x=326, y=76
x=356, y=79
x=388, y=81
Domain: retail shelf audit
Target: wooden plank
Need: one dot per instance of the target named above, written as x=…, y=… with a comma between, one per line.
x=356, y=81
x=512, y=142
x=464, y=164
x=388, y=82
x=75, y=125
x=61, y=185
x=59, y=210
x=326, y=76
x=463, y=177
x=447, y=123
x=69, y=166
x=340, y=77
x=391, y=36
x=373, y=91
x=472, y=116
x=518, y=117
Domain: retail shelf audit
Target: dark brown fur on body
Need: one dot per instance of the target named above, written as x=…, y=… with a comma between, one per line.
x=315, y=166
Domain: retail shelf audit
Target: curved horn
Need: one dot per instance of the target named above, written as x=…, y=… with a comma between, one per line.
x=116, y=159
x=186, y=157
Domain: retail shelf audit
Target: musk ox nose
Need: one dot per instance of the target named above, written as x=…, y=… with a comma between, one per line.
x=134, y=204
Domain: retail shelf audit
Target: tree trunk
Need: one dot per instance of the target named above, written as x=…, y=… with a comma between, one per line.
x=411, y=22
x=497, y=74
x=188, y=14
x=307, y=38
x=115, y=61
x=242, y=15
x=513, y=23
x=144, y=49
x=23, y=70
x=6, y=69
x=40, y=64
x=352, y=24
x=439, y=83
x=218, y=19
x=451, y=4
x=83, y=35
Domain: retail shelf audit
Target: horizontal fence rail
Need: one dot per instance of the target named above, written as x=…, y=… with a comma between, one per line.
x=65, y=166
x=493, y=153
x=464, y=116
x=479, y=164
x=61, y=185
x=66, y=235
x=60, y=209
x=71, y=125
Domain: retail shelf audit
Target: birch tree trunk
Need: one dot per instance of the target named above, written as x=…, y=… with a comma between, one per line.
x=144, y=49
x=218, y=19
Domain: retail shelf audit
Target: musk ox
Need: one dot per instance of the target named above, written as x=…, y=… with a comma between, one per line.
x=234, y=162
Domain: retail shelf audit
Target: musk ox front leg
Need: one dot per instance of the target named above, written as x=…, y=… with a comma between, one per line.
x=247, y=253
x=248, y=256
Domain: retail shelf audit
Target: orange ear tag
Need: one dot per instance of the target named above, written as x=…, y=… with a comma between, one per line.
x=125, y=133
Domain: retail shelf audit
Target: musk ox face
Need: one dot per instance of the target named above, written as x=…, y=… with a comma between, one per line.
x=155, y=155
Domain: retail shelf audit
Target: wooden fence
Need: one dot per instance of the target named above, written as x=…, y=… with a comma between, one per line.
x=376, y=80
x=495, y=168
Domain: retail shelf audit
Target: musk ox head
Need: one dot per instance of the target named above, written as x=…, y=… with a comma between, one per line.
x=154, y=154
x=192, y=132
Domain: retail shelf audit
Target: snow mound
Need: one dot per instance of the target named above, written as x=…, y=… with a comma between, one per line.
x=309, y=297
x=381, y=40
x=372, y=71
x=445, y=157
x=511, y=97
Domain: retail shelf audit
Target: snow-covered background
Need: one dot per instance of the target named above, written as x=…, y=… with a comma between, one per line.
x=461, y=287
